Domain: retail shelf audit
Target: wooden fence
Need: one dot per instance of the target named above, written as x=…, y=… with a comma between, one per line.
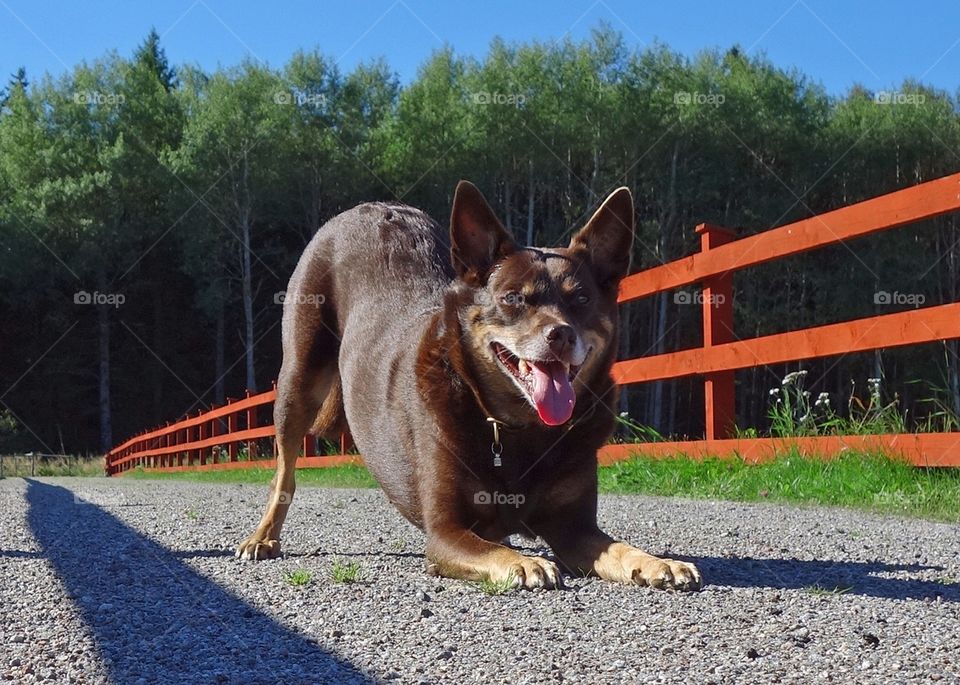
x=215, y=439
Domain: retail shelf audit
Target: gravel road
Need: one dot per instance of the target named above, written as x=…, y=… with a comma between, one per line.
x=125, y=581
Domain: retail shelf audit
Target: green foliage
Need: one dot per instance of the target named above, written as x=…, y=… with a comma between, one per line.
x=192, y=193
x=793, y=414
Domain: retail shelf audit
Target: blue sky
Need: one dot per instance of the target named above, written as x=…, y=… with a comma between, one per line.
x=837, y=43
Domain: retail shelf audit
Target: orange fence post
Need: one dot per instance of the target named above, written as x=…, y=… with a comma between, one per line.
x=251, y=423
x=718, y=387
x=201, y=435
x=232, y=428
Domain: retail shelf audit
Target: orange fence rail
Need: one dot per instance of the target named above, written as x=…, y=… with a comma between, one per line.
x=226, y=437
x=216, y=438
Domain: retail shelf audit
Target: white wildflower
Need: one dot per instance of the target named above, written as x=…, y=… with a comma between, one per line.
x=774, y=392
x=793, y=377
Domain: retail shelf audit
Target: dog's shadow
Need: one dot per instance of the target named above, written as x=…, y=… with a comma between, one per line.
x=828, y=577
x=155, y=618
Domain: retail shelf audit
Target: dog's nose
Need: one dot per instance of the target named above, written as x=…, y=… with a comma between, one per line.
x=561, y=338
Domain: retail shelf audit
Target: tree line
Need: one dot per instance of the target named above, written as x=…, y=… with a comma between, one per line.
x=150, y=215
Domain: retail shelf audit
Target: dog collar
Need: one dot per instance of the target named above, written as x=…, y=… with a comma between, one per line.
x=496, y=447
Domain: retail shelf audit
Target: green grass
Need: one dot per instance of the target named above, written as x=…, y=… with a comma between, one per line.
x=346, y=476
x=297, y=577
x=494, y=587
x=864, y=481
x=346, y=571
x=20, y=466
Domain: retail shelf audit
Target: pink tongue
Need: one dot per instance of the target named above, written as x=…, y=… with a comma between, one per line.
x=552, y=392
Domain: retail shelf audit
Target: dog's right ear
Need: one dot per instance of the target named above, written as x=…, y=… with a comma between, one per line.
x=477, y=238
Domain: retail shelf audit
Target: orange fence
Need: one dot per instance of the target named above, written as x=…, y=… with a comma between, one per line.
x=216, y=438
x=227, y=437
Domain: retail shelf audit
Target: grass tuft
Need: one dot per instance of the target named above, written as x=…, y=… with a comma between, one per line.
x=297, y=577
x=346, y=571
x=495, y=587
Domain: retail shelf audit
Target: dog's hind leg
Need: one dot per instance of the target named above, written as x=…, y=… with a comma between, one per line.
x=308, y=394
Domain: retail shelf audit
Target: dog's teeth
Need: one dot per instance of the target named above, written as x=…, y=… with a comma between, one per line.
x=523, y=367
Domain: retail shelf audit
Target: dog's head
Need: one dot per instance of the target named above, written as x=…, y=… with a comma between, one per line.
x=539, y=324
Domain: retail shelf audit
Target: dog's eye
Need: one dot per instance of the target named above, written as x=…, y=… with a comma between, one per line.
x=582, y=298
x=513, y=299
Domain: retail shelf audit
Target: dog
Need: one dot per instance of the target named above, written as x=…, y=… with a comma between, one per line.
x=474, y=377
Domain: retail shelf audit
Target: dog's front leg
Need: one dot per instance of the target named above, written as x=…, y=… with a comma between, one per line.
x=593, y=552
x=457, y=552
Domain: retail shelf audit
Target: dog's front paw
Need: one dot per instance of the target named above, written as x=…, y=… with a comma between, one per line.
x=663, y=574
x=255, y=548
x=530, y=573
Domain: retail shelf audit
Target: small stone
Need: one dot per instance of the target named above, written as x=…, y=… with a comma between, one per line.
x=423, y=596
x=870, y=639
x=425, y=613
x=666, y=649
x=336, y=633
x=752, y=653
x=445, y=655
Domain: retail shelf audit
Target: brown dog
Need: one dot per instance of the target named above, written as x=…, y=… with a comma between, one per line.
x=474, y=377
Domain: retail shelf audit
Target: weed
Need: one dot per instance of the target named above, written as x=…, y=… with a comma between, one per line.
x=346, y=571
x=297, y=577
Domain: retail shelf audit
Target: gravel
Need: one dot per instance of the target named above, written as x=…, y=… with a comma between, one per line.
x=122, y=581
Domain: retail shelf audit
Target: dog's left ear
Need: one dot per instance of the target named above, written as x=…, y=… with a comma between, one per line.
x=607, y=239
x=477, y=238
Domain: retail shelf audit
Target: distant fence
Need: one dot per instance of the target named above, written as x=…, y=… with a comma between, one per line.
x=235, y=436
x=215, y=439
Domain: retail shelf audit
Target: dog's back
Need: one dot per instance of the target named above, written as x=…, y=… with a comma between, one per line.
x=381, y=270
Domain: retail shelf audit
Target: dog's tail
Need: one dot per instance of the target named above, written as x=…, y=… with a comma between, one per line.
x=331, y=419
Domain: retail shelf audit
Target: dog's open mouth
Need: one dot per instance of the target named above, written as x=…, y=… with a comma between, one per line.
x=547, y=384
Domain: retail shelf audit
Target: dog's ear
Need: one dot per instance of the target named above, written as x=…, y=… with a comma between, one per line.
x=477, y=238
x=607, y=239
